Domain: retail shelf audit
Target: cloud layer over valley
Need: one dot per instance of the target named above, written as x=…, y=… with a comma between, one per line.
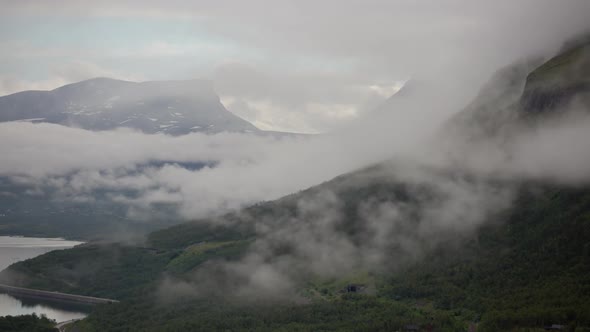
x=304, y=66
x=412, y=177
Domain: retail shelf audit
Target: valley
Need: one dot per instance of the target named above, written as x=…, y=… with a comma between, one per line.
x=449, y=191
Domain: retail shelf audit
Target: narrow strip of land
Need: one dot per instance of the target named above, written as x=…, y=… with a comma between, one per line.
x=11, y=290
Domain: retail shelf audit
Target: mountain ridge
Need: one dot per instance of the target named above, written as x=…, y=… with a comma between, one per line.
x=522, y=267
x=175, y=107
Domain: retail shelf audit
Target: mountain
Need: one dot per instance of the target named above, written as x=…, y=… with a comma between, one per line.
x=390, y=247
x=169, y=107
x=528, y=89
x=557, y=81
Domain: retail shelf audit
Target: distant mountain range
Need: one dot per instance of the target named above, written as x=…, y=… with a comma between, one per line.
x=169, y=107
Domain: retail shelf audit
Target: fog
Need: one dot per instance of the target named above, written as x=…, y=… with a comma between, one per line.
x=304, y=66
x=242, y=169
x=443, y=53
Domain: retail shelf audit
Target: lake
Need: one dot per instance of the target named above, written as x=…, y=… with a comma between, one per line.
x=14, y=249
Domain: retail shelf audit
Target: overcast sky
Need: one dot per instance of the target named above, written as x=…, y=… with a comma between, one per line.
x=306, y=66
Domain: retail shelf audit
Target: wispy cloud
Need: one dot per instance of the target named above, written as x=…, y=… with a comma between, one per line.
x=373, y=44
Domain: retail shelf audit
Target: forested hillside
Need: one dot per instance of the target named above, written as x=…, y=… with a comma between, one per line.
x=391, y=247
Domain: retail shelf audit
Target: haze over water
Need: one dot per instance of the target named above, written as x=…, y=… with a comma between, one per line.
x=14, y=249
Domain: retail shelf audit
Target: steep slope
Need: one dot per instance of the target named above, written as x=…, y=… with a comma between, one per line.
x=170, y=107
x=530, y=271
x=556, y=82
x=378, y=249
x=138, y=274
x=495, y=107
x=525, y=92
x=527, y=269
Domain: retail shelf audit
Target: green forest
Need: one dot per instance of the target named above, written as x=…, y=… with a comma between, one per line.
x=525, y=272
x=27, y=323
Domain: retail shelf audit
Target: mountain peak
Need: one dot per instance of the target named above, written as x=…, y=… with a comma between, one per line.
x=174, y=107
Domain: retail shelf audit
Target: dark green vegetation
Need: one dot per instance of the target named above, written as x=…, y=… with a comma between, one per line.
x=27, y=323
x=552, y=84
x=529, y=269
x=526, y=267
x=41, y=215
x=351, y=313
x=101, y=270
x=134, y=274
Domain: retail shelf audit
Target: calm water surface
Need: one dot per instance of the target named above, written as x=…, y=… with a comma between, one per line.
x=14, y=249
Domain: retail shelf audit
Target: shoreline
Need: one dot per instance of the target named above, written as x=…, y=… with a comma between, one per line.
x=42, y=294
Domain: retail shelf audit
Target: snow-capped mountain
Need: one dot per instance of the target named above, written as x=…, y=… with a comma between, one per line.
x=170, y=107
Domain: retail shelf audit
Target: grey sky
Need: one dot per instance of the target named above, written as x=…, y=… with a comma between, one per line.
x=290, y=65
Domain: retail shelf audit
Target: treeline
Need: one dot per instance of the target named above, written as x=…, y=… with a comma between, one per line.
x=351, y=313
x=27, y=323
